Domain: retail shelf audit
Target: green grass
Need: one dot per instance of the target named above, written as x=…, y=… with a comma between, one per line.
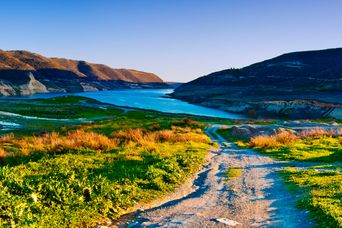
x=327, y=120
x=73, y=187
x=320, y=184
x=323, y=194
x=233, y=172
x=319, y=149
x=68, y=107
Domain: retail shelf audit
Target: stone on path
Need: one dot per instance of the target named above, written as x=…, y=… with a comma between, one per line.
x=228, y=221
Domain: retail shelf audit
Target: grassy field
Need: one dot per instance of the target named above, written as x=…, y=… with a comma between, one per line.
x=90, y=170
x=322, y=183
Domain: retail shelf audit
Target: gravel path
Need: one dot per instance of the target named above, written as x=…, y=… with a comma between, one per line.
x=258, y=198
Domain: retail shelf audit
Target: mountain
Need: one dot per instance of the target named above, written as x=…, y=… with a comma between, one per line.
x=23, y=72
x=300, y=85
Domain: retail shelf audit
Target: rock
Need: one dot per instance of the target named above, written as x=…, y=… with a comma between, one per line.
x=241, y=132
x=33, y=86
x=6, y=89
x=227, y=221
x=87, y=87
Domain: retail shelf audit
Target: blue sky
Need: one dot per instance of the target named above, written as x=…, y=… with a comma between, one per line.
x=176, y=39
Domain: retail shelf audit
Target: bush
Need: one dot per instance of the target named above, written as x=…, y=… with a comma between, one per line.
x=282, y=137
x=6, y=138
x=286, y=137
x=264, y=141
x=2, y=153
x=188, y=122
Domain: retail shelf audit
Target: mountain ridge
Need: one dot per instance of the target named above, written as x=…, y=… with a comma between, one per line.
x=18, y=68
x=292, y=79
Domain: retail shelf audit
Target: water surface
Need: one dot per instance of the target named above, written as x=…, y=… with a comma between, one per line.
x=152, y=99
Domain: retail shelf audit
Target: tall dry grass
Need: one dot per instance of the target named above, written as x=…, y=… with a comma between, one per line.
x=285, y=137
x=6, y=138
x=56, y=143
x=2, y=153
x=282, y=137
x=318, y=132
x=139, y=135
x=263, y=141
x=80, y=140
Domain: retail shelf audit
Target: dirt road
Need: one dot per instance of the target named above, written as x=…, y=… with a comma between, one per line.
x=258, y=198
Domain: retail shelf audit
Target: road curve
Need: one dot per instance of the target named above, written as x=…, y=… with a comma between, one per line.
x=258, y=198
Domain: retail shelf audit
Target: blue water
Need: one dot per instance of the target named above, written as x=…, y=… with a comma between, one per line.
x=153, y=99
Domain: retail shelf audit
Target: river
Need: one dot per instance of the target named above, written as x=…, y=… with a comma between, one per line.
x=152, y=99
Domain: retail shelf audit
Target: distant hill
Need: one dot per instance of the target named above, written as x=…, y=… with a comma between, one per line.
x=299, y=84
x=23, y=72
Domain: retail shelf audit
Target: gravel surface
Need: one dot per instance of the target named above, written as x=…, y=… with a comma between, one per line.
x=258, y=198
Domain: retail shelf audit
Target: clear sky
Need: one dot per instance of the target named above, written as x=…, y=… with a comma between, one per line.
x=177, y=39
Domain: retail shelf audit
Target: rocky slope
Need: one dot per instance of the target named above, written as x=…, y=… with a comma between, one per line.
x=295, y=85
x=23, y=73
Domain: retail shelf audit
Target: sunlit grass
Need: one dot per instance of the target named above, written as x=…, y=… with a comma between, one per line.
x=309, y=145
x=233, y=172
x=322, y=188
x=78, y=176
x=323, y=191
x=321, y=149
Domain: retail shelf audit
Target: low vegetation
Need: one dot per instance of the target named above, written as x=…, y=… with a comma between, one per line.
x=81, y=175
x=233, y=172
x=323, y=193
x=322, y=185
x=317, y=145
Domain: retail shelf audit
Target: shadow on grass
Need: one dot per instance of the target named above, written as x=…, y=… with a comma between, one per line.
x=12, y=161
x=122, y=169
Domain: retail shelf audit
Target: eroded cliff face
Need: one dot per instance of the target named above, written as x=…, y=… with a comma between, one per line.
x=296, y=109
x=32, y=87
x=7, y=90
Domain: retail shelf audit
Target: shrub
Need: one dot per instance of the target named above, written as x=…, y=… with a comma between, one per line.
x=6, y=138
x=155, y=127
x=130, y=135
x=286, y=137
x=264, y=141
x=2, y=153
x=188, y=122
x=91, y=140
